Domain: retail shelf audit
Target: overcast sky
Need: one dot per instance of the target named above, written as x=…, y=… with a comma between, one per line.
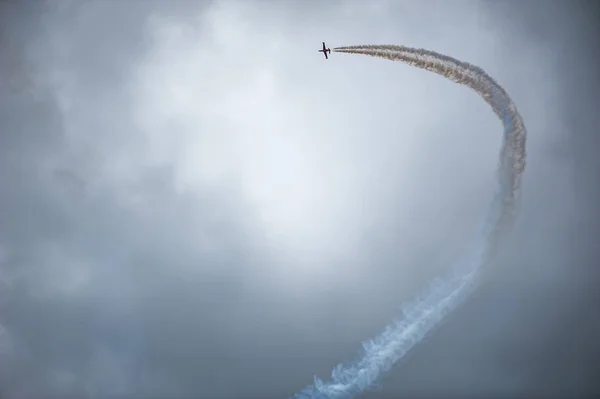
x=194, y=202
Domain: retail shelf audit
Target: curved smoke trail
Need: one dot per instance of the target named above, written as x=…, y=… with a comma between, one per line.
x=444, y=295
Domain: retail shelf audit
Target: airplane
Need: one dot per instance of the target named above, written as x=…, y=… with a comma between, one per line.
x=325, y=51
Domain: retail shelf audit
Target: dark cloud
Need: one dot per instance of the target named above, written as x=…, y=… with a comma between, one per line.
x=531, y=328
x=119, y=279
x=93, y=291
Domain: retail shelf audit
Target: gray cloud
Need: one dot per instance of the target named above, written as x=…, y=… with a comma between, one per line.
x=193, y=202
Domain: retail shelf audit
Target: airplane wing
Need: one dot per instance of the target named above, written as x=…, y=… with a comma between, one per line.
x=325, y=50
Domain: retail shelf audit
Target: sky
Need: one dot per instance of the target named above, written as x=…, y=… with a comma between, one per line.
x=194, y=202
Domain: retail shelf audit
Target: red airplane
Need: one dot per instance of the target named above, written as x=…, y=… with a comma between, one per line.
x=325, y=51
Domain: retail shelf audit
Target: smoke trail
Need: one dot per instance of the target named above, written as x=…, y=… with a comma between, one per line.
x=444, y=295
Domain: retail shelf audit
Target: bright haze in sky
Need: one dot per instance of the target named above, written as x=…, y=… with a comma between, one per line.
x=195, y=202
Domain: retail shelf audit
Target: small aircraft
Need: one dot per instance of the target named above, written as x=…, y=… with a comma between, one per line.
x=325, y=51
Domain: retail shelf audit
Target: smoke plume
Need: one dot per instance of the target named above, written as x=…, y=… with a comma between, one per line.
x=445, y=294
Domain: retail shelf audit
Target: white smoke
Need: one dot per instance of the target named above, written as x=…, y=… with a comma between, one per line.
x=444, y=295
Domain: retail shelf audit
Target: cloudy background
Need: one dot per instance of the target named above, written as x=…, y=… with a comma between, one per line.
x=194, y=202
